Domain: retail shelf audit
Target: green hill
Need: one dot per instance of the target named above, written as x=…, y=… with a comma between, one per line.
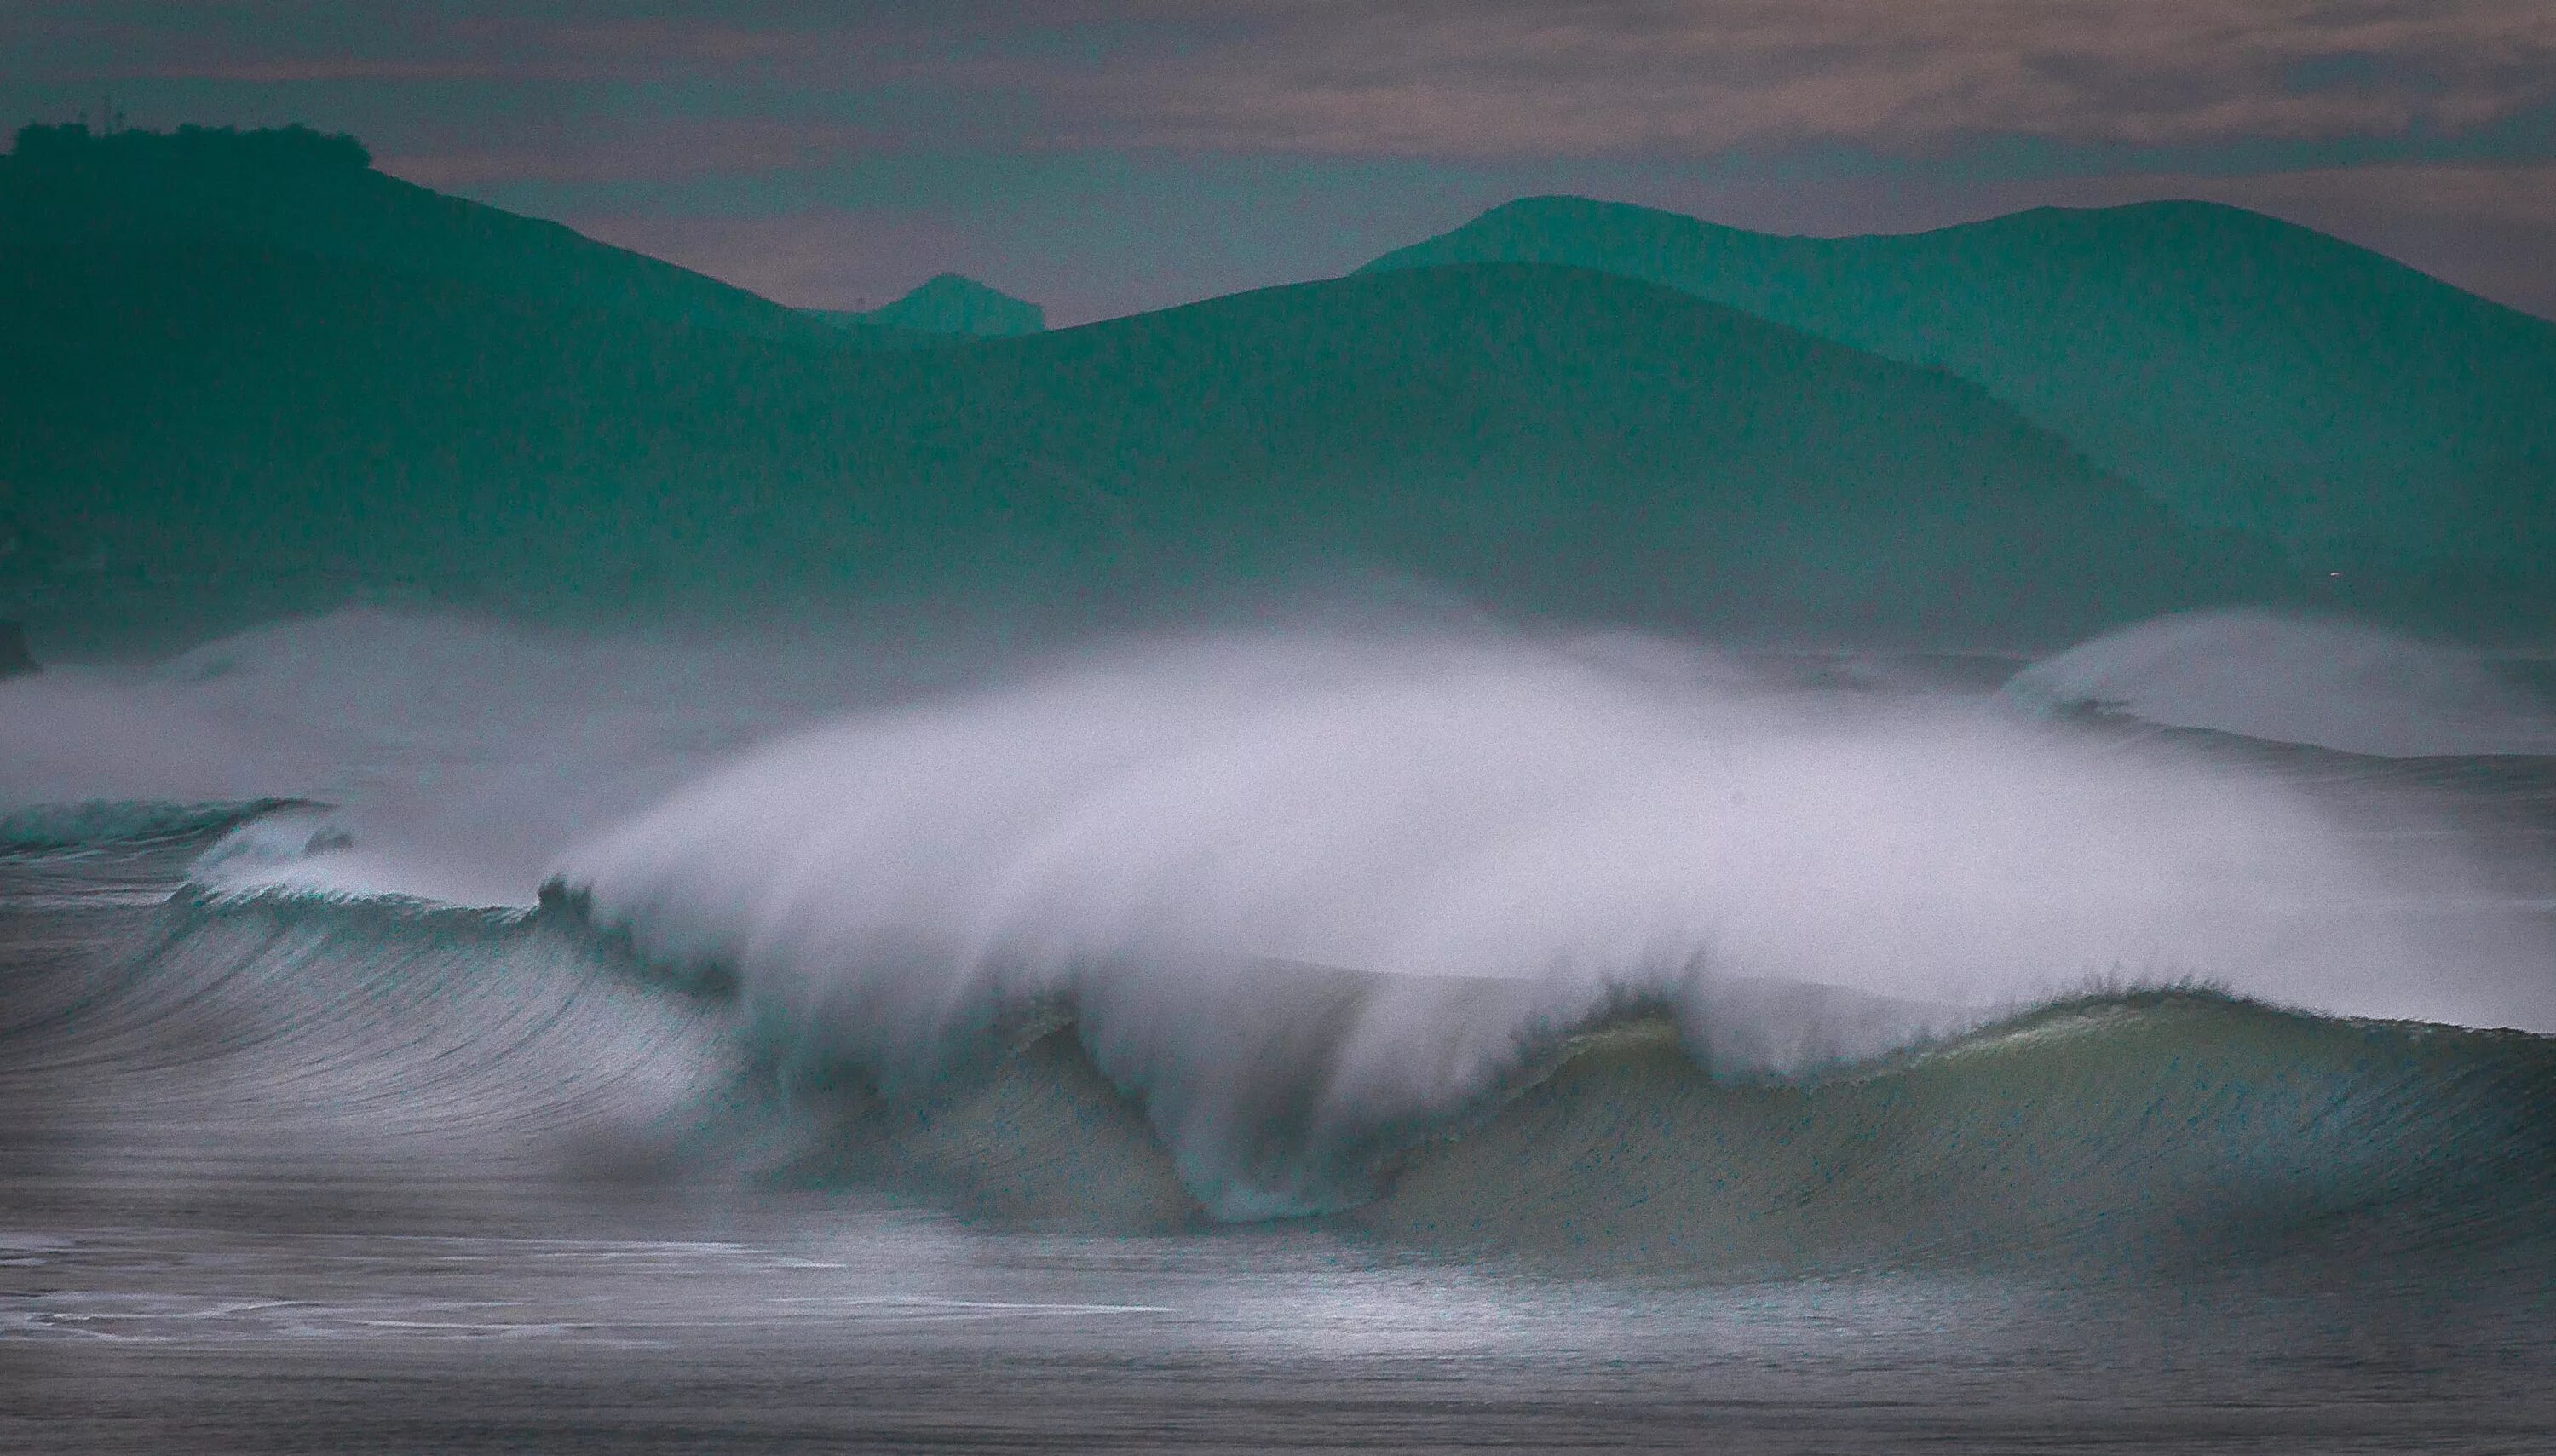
x=949, y=305
x=2246, y=372
x=1573, y=443
x=207, y=423
x=317, y=195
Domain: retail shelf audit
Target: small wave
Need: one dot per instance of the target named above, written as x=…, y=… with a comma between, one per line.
x=315, y=1031
x=96, y=822
x=2296, y=680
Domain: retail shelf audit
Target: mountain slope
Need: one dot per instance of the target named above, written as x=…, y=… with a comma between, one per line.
x=2246, y=372
x=1584, y=444
x=949, y=304
x=298, y=191
x=205, y=427
x=1549, y=439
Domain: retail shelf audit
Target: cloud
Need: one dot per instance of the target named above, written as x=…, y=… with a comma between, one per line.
x=1546, y=78
x=1449, y=78
x=378, y=41
x=280, y=70
x=632, y=149
x=1154, y=149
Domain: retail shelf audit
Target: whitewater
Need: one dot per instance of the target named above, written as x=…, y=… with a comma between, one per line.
x=1397, y=982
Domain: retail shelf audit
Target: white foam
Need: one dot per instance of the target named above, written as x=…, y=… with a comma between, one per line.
x=1177, y=833
x=2297, y=680
x=1516, y=833
x=458, y=753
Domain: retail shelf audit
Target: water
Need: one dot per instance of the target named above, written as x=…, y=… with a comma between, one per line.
x=1150, y=1123
x=894, y=1333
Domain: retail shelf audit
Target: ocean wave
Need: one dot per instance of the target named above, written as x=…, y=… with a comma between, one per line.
x=1230, y=925
x=322, y=1032
x=41, y=827
x=2156, y=1125
x=2290, y=679
x=2172, y=1123
x=1303, y=894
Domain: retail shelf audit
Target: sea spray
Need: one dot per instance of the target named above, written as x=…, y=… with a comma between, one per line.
x=1304, y=892
x=1492, y=839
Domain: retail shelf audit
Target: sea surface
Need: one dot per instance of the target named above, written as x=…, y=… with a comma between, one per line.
x=1238, y=1044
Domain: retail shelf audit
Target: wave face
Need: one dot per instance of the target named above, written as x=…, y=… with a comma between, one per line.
x=2141, y=1128
x=236, y=1039
x=1263, y=923
x=2293, y=680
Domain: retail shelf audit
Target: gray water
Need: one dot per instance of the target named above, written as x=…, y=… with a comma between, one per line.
x=166, y=1287
x=1268, y=1043
x=887, y=1332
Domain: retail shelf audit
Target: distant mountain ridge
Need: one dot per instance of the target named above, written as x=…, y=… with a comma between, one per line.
x=217, y=422
x=949, y=304
x=1576, y=445
x=944, y=309
x=317, y=195
x=2246, y=372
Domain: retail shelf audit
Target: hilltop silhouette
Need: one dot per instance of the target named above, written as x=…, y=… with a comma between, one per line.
x=296, y=190
x=948, y=304
x=2245, y=372
x=260, y=390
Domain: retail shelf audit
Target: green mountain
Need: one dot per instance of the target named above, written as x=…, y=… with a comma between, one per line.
x=318, y=197
x=2245, y=372
x=201, y=425
x=948, y=304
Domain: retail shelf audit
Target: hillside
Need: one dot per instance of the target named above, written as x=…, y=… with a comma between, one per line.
x=943, y=309
x=202, y=427
x=317, y=195
x=952, y=305
x=2245, y=371
x=1573, y=443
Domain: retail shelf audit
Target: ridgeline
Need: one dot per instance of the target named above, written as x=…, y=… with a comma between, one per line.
x=251, y=376
x=2394, y=436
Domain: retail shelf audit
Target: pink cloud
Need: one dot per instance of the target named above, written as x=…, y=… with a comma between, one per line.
x=285, y=68
x=656, y=149
x=2490, y=230
x=1506, y=77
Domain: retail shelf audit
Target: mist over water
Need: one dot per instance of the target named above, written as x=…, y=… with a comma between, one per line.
x=1516, y=834
x=1305, y=892
x=2299, y=680
x=447, y=756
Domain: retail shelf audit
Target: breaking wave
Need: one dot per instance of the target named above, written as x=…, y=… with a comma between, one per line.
x=2289, y=679
x=1574, y=946
x=251, y=1034
x=1490, y=840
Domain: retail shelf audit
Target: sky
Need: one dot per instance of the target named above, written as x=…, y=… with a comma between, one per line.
x=1103, y=157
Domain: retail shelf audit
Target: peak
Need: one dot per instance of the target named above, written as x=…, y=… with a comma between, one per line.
x=1564, y=228
x=950, y=302
x=2158, y=217
x=1572, y=203
x=2154, y=213
x=1559, y=216
x=1565, y=210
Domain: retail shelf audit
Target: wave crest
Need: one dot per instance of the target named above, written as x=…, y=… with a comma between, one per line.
x=1300, y=896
